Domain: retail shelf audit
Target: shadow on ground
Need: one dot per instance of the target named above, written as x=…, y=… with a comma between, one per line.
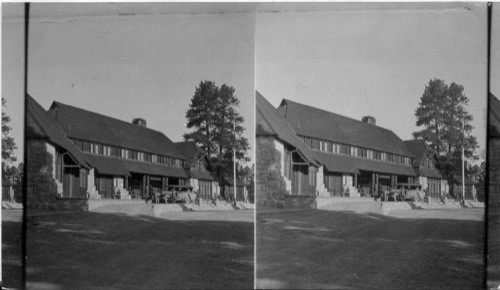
x=341, y=249
x=86, y=250
x=12, y=248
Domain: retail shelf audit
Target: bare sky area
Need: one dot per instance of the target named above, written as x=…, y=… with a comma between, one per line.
x=372, y=59
x=129, y=60
x=495, y=50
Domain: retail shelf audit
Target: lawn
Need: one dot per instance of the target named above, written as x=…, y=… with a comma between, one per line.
x=109, y=250
x=342, y=249
x=12, y=266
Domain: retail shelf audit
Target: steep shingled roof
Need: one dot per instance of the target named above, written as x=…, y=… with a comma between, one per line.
x=85, y=125
x=494, y=117
x=41, y=125
x=419, y=148
x=192, y=152
x=270, y=123
x=317, y=123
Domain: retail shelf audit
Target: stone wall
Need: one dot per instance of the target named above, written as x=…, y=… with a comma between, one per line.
x=42, y=188
x=494, y=173
x=118, y=184
x=91, y=189
x=52, y=151
x=320, y=182
x=271, y=185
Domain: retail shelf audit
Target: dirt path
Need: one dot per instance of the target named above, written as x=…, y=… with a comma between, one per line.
x=87, y=250
x=332, y=249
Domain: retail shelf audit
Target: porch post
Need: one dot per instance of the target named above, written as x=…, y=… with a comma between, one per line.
x=373, y=183
x=125, y=182
x=355, y=180
x=143, y=185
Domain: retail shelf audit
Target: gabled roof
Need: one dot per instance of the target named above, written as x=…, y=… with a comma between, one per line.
x=494, y=117
x=41, y=125
x=420, y=149
x=270, y=123
x=317, y=123
x=192, y=152
x=89, y=126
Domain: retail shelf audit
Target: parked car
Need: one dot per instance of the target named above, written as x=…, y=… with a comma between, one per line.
x=408, y=191
x=179, y=194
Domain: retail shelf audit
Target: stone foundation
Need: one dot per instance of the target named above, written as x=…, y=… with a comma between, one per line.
x=271, y=184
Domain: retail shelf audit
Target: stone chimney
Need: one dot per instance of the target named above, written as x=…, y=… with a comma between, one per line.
x=140, y=122
x=369, y=120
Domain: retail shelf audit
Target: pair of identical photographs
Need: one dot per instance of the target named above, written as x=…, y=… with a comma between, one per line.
x=215, y=145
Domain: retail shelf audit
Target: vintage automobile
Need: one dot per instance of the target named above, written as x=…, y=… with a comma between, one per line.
x=179, y=194
x=408, y=191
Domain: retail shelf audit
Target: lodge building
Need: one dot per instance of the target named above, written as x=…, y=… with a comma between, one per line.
x=92, y=156
x=326, y=154
x=198, y=169
x=425, y=165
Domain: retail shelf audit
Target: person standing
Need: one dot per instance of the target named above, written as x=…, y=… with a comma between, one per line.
x=11, y=193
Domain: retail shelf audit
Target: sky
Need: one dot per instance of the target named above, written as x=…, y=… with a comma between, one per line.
x=495, y=51
x=129, y=60
x=372, y=59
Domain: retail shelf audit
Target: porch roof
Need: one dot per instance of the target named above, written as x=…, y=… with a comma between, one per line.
x=346, y=164
x=120, y=167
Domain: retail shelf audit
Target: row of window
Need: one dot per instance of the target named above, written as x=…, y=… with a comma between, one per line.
x=338, y=148
x=105, y=150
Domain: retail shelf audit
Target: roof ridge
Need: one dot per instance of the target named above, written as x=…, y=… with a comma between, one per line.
x=336, y=114
x=105, y=116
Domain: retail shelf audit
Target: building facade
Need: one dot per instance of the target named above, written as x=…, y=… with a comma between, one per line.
x=425, y=165
x=356, y=157
x=88, y=155
x=198, y=170
x=284, y=164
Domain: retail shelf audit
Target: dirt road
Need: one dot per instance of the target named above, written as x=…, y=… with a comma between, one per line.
x=183, y=250
x=334, y=249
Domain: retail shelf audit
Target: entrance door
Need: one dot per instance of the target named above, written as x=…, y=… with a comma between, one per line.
x=106, y=187
x=300, y=180
x=334, y=184
x=71, y=182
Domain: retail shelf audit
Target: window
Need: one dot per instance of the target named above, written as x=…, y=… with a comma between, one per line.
x=312, y=176
x=99, y=149
x=315, y=144
x=83, y=178
x=125, y=153
x=59, y=167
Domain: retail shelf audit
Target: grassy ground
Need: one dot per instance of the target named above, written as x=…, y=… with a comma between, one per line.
x=494, y=247
x=343, y=249
x=12, y=248
x=105, y=250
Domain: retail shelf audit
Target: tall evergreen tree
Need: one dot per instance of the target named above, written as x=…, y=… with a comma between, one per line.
x=446, y=124
x=8, y=143
x=217, y=126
